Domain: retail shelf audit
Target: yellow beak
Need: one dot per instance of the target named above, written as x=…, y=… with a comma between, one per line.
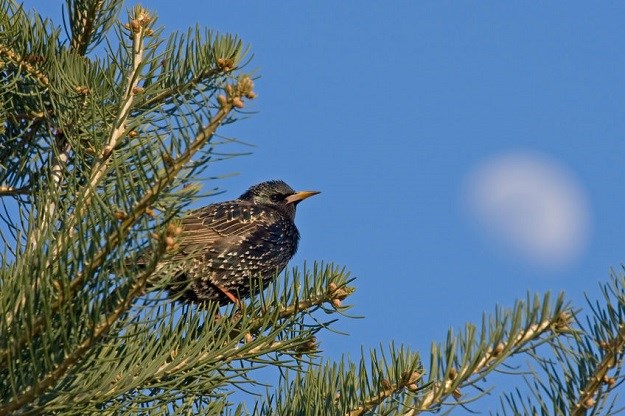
x=300, y=196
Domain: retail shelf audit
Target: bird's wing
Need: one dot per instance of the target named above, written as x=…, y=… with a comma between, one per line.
x=208, y=226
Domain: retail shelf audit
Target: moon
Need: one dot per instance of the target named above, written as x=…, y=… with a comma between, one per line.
x=531, y=205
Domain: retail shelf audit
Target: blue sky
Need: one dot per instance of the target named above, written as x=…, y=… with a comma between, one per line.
x=410, y=117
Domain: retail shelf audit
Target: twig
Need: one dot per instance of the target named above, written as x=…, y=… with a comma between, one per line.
x=449, y=386
x=10, y=191
x=139, y=209
x=99, y=169
x=613, y=350
x=80, y=40
x=59, y=161
x=72, y=358
x=25, y=65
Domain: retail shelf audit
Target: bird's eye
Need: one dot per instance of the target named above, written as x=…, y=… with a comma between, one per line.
x=277, y=197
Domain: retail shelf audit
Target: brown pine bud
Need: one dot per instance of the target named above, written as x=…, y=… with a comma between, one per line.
x=457, y=394
x=107, y=150
x=589, y=402
x=137, y=90
x=225, y=64
x=237, y=102
x=150, y=212
x=410, y=377
x=169, y=161
x=135, y=26
x=498, y=350
x=222, y=100
x=174, y=229
x=309, y=346
x=245, y=85
x=132, y=133
x=120, y=215
x=386, y=385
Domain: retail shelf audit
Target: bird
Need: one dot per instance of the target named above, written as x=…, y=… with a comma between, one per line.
x=223, y=245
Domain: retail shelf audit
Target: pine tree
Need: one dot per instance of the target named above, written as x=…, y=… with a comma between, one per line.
x=106, y=129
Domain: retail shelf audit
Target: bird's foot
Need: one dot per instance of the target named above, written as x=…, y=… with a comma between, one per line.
x=229, y=295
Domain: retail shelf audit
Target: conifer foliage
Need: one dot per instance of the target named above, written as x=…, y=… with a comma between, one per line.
x=106, y=126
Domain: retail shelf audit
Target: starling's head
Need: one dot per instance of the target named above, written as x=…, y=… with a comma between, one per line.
x=276, y=194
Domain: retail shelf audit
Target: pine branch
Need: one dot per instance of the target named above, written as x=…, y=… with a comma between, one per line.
x=613, y=353
x=83, y=24
x=612, y=346
x=241, y=326
x=59, y=162
x=334, y=295
x=99, y=330
x=23, y=63
x=89, y=20
x=396, y=386
x=579, y=373
x=180, y=89
x=389, y=390
x=235, y=94
x=114, y=239
x=471, y=370
x=11, y=191
x=139, y=25
x=199, y=354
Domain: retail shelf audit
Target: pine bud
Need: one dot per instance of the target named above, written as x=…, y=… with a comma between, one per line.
x=589, y=402
x=222, y=100
x=107, y=150
x=237, y=102
x=498, y=350
x=135, y=26
x=386, y=385
x=410, y=377
x=167, y=159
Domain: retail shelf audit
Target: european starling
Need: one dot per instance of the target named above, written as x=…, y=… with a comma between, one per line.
x=232, y=241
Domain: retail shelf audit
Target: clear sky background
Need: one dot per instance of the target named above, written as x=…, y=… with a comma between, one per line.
x=467, y=152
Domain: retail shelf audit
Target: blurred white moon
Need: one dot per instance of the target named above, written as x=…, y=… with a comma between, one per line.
x=532, y=205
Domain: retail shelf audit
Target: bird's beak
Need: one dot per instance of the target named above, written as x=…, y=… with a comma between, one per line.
x=300, y=196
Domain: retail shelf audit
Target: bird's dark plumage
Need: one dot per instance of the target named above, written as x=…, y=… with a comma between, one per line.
x=232, y=241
